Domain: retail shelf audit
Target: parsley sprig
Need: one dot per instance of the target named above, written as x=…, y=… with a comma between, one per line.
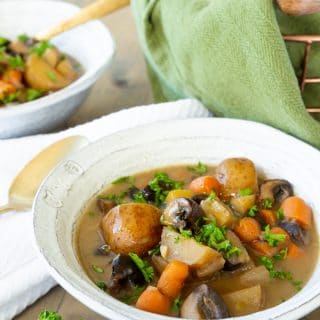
x=245, y=192
x=125, y=179
x=267, y=203
x=252, y=211
x=273, y=239
x=133, y=296
x=200, y=168
x=49, y=315
x=144, y=267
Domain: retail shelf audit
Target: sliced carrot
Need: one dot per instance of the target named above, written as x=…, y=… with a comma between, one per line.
x=248, y=229
x=262, y=248
x=172, y=278
x=294, y=208
x=294, y=252
x=13, y=77
x=6, y=88
x=268, y=217
x=205, y=184
x=153, y=300
x=286, y=242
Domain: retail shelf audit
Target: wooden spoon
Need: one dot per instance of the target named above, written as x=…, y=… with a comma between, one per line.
x=24, y=187
x=95, y=10
x=299, y=7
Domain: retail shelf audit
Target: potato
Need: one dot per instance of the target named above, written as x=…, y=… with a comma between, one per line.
x=236, y=174
x=132, y=227
x=204, y=260
x=243, y=204
x=244, y=301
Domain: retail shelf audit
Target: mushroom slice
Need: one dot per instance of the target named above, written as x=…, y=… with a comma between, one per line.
x=204, y=303
x=182, y=213
x=243, y=257
x=297, y=234
x=276, y=190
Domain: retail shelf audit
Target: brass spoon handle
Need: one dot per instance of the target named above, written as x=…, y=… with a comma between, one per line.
x=5, y=208
x=299, y=7
x=95, y=10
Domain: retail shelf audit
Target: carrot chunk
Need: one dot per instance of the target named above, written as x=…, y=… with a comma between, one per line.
x=294, y=252
x=153, y=300
x=294, y=208
x=6, y=88
x=268, y=217
x=172, y=278
x=205, y=184
x=248, y=229
x=13, y=77
x=286, y=241
x=262, y=248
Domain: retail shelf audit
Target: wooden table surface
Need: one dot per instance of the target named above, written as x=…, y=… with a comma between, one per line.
x=125, y=84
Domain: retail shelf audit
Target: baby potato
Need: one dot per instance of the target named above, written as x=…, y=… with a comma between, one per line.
x=236, y=174
x=132, y=227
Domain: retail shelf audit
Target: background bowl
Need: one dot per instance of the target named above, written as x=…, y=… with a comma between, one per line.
x=66, y=191
x=91, y=45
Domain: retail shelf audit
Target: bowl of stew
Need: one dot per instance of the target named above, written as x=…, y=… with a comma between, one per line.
x=192, y=219
x=42, y=84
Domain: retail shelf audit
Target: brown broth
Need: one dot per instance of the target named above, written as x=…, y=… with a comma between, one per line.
x=88, y=238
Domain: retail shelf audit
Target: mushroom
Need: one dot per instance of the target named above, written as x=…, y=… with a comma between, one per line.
x=182, y=213
x=276, y=190
x=199, y=197
x=105, y=205
x=132, y=227
x=42, y=76
x=297, y=234
x=204, y=303
x=124, y=273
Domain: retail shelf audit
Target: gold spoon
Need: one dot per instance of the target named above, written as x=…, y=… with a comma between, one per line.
x=25, y=185
x=95, y=10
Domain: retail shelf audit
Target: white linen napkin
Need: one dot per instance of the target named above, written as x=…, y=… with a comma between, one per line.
x=23, y=277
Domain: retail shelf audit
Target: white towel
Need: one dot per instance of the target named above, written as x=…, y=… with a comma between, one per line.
x=23, y=278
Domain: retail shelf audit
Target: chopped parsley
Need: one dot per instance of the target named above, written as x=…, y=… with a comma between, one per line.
x=136, y=292
x=102, y=285
x=144, y=267
x=161, y=184
x=283, y=253
x=33, y=94
x=126, y=179
x=212, y=196
x=155, y=251
x=245, y=192
x=200, y=168
x=185, y=233
x=176, y=304
x=139, y=197
x=52, y=76
x=273, y=239
x=23, y=38
x=3, y=41
x=267, y=203
x=214, y=237
x=176, y=239
x=41, y=47
x=252, y=211
x=97, y=269
x=280, y=214
x=16, y=62
x=10, y=98
x=49, y=315
x=117, y=198
x=297, y=284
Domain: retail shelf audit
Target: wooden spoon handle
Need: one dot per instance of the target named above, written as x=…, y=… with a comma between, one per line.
x=5, y=208
x=95, y=10
x=299, y=7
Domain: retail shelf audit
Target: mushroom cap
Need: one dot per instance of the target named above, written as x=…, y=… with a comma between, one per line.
x=276, y=190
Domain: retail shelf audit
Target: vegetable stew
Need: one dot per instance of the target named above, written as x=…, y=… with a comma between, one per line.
x=199, y=242
x=30, y=70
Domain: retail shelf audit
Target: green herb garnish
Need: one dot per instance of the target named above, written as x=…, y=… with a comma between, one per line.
x=283, y=253
x=33, y=94
x=297, y=284
x=49, y=315
x=266, y=203
x=176, y=304
x=136, y=292
x=155, y=251
x=161, y=184
x=101, y=285
x=200, y=168
x=52, y=76
x=144, y=267
x=273, y=239
x=23, y=38
x=10, y=98
x=117, y=198
x=212, y=196
x=252, y=211
x=3, y=41
x=176, y=239
x=138, y=197
x=126, y=179
x=185, y=233
x=41, y=47
x=16, y=62
x=245, y=192
x=97, y=269
x=280, y=214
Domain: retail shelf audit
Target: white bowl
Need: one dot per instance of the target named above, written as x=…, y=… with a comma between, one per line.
x=90, y=44
x=67, y=189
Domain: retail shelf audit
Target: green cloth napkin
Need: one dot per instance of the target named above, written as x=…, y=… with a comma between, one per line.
x=231, y=56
